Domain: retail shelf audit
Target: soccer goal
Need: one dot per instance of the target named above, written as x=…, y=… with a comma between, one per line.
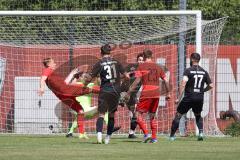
x=73, y=38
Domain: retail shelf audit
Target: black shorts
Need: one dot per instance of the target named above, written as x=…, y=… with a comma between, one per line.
x=132, y=100
x=185, y=106
x=108, y=101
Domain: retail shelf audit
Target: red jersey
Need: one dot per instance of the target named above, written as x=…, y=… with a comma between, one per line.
x=150, y=74
x=47, y=71
x=54, y=81
x=57, y=85
x=66, y=93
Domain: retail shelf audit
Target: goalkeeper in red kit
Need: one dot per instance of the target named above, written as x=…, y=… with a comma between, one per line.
x=148, y=73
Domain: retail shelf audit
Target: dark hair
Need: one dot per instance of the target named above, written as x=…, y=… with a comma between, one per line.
x=46, y=62
x=139, y=55
x=147, y=53
x=195, y=56
x=105, y=49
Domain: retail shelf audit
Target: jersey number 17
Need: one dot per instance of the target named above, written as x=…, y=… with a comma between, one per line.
x=198, y=80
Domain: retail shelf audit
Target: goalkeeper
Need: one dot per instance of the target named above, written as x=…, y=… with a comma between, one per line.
x=131, y=68
x=89, y=111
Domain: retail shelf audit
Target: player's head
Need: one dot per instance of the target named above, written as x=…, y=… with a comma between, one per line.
x=105, y=49
x=140, y=58
x=194, y=58
x=49, y=63
x=147, y=54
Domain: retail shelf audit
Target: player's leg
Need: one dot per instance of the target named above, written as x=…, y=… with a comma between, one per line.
x=133, y=122
x=99, y=127
x=142, y=107
x=73, y=126
x=181, y=109
x=175, y=125
x=153, y=122
x=197, y=109
x=133, y=119
x=110, y=127
x=81, y=126
x=71, y=102
x=113, y=99
x=115, y=129
x=73, y=90
x=80, y=117
x=102, y=109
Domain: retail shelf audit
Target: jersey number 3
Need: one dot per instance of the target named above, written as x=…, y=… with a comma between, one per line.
x=111, y=71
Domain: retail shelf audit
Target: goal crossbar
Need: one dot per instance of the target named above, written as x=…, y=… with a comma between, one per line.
x=196, y=13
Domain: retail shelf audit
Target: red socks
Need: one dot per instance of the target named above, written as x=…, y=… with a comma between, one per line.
x=142, y=124
x=153, y=124
x=80, y=121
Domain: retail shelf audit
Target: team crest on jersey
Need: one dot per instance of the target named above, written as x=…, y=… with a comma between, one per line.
x=2, y=72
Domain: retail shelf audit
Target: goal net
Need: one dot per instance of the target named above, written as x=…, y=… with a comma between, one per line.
x=73, y=39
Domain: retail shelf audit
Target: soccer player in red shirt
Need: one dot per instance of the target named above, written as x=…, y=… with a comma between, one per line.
x=148, y=73
x=66, y=92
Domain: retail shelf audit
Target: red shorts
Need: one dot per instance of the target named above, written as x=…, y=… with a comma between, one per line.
x=147, y=105
x=71, y=102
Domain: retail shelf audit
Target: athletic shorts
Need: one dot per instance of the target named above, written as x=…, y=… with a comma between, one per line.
x=185, y=106
x=108, y=101
x=133, y=99
x=146, y=105
x=71, y=102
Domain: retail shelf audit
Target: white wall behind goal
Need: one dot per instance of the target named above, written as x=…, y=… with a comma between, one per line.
x=30, y=116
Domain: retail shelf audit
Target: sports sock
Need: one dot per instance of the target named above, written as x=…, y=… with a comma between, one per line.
x=199, y=122
x=99, y=124
x=175, y=124
x=74, y=126
x=81, y=125
x=133, y=123
x=110, y=125
x=153, y=128
x=142, y=125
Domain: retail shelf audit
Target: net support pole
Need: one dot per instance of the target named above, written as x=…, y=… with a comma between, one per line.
x=182, y=59
x=198, y=46
x=199, y=32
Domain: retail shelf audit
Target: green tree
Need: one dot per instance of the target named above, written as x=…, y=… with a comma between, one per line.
x=211, y=9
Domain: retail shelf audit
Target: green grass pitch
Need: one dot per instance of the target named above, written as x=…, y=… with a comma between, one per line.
x=18, y=147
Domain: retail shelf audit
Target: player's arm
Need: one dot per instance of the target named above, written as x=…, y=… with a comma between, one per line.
x=42, y=85
x=166, y=83
x=138, y=75
x=181, y=89
x=94, y=72
x=209, y=87
x=134, y=85
x=124, y=74
x=182, y=86
x=72, y=77
x=209, y=83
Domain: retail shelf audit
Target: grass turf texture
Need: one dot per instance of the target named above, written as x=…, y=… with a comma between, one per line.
x=17, y=147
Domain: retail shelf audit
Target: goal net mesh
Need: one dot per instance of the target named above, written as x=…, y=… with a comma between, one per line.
x=73, y=41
